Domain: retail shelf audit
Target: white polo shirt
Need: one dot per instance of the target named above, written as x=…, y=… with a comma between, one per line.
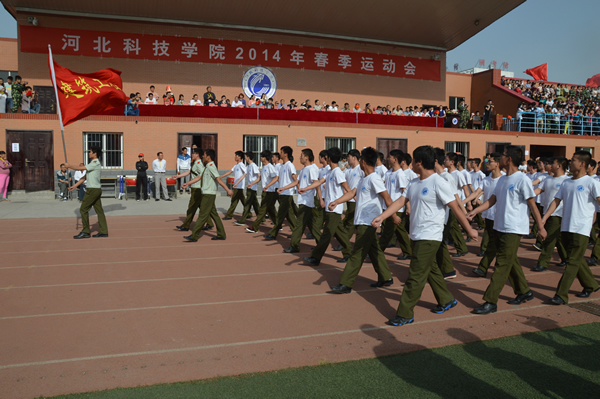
x=551, y=185
x=252, y=174
x=353, y=176
x=395, y=182
x=268, y=173
x=380, y=170
x=459, y=179
x=323, y=172
x=307, y=176
x=512, y=193
x=286, y=172
x=579, y=197
x=488, y=185
x=334, y=190
x=368, y=204
x=238, y=171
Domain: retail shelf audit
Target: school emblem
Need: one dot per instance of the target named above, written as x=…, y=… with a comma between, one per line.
x=511, y=187
x=425, y=191
x=558, y=185
x=580, y=188
x=258, y=81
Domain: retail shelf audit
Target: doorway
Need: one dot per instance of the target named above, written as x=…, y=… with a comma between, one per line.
x=46, y=99
x=202, y=140
x=385, y=145
x=32, y=155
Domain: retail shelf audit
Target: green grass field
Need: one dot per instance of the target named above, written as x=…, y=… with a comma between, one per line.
x=560, y=363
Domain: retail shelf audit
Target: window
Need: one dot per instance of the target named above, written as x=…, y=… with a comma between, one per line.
x=111, y=145
x=588, y=149
x=344, y=144
x=458, y=147
x=257, y=144
x=454, y=101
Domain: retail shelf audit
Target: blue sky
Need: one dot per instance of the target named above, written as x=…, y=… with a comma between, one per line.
x=562, y=33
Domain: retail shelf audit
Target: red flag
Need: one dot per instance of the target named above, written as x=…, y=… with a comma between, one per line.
x=594, y=81
x=83, y=94
x=539, y=72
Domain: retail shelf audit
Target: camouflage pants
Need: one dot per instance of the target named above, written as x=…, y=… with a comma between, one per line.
x=17, y=98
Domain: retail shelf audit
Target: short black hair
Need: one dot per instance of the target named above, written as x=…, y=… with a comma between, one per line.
x=369, y=156
x=583, y=156
x=397, y=154
x=425, y=154
x=250, y=155
x=461, y=159
x=287, y=150
x=452, y=156
x=515, y=154
x=62, y=164
x=198, y=151
x=563, y=162
x=276, y=154
x=323, y=154
x=240, y=154
x=96, y=150
x=309, y=154
x=210, y=153
x=354, y=153
x=496, y=156
x=439, y=155
x=158, y=153
x=593, y=163
x=407, y=158
x=334, y=154
x=183, y=148
x=477, y=161
x=266, y=154
x=381, y=156
x=531, y=162
x=132, y=95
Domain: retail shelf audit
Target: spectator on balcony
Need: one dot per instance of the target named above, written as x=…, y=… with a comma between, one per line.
x=166, y=100
x=306, y=105
x=293, y=104
x=241, y=98
x=263, y=99
x=181, y=100
x=333, y=106
x=17, y=90
x=463, y=113
x=209, y=96
x=236, y=102
x=368, y=109
x=357, y=108
x=132, y=106
x=34, y=105
x=195, y=100
x=281, y=104
x=540, y=114
x=150, y=99
x=251, y=101
x=346, y=107
x=317, y=106
x=270, y=104
x=154, y=94
x=170, y=98
x=8, y=92
x=223, y=101
x=138, y=97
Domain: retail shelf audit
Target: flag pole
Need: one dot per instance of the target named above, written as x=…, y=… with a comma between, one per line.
x=62, y=128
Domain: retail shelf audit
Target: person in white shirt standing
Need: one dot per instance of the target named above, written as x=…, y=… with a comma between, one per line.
x=452, y=230
x=239, y=179
x=369, y=193
x=429, y=195
x=512, y=196
x=269, y=177
x=306, y=200
x=287, y=180
x=380, y=168
x=76, y=177
x=253, y=177
x=184, y=164
x=159, y=166
x=477, y=177
x=318, y=211
x=405, y=165
x=550, y=187
x=579, y=196
x=353, y=174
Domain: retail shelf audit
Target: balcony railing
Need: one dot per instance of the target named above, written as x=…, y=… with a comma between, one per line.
x=531, y=122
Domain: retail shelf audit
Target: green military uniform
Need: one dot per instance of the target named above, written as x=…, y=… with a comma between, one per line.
x=485, y=240
x=333, y=224
x=267, y=205
x=196, y=195
x=238, y=195
x=317, y=217
x=285, y=211
x=366, y=244
x=491, y=250
x=576, y=245
x=452, y=231
x=594, y=238
x=92, y=198
x=207, y=204
x=463, y=113
x=348, y=221
x=552, y=240
x=389, y=230
x=17, y=96
x=305, y=219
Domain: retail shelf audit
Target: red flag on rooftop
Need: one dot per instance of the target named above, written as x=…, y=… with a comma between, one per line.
x=539, y=72
x=594, y=81
x=83, y=94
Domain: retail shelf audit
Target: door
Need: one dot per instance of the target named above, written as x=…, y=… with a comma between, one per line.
x=32, y=156
x=202, y=140
x=496, y=147
x=46, y=98
x=386, y=145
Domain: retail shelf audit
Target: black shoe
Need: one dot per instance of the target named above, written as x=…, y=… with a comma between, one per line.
x=181, y=228
x=479, y=272
x=189, y=238
x=226, y=218
x=385, y=283
x=290, y=250
x=561, y=264
x=481, y=254
x=557, y=300
x=218, y=238
x=585, y=294
x=451, y=275
x=238, y=223
x=390, y=245
x=251, y=230
x=81, y=235
x=403, y=257
x=311, y=261
x=521, y=298
x=439, y=309
x=338, y=248
x=458, y=255
x=469, y=239
x=341, y=289
x=269, y=237
x=309, y=236
x=343, y=260
x=207, y=228
x=157, y=199
x=168, y=199
x=400, y=321
x=539, y=268
x=486, y=308
x=100, y=235
x=592, y=262
x=537, y=247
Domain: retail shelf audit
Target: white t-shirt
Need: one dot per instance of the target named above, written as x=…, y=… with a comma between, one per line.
x=307, y=176
x=268, y=173
x=488, y=185
x=512, y=193
x=238, y=171
x=252, y=174
x=153, y=101
x=25, y=101
x=428, y=199
x=596, y=204
x=477, y=179
x=579, y=197
x=368, y=201
x=323, y=172
x=460, y=181
x=78, y=175
x=333, y=189
x=551, y=185
x=195, y=102
x=467, y=176
x=353, y=176
x=540, y=175
x=286, y=172
x=395, y=182
x=410, y=174
x=277, y=169
x=448, y=177
x=380, y=170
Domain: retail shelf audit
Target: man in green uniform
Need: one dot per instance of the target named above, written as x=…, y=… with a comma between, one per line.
x=196, y=195
x=210, y=178
x=17, y=90
x=92, y=196
x=463, y=112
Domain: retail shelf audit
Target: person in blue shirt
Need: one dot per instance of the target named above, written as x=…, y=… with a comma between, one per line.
x=132, y=106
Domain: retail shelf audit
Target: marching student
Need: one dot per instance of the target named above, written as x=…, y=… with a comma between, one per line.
x=550, y=187
x=287, y=180
x=335, y=187
x=595, y=258
x=477, y=177
x=395, y=183
x=353, y=175
x=269, y=178
x=306, y=200
x=210, y=178
x=253, y=176
x=512, y=196
x=487, y=187
x=380, y=169
x=452, y=230
x=405, y=165
x=196, y=195
x=543, y=169
x=239, y=177
x=369, y=194
x=579, y=195
x=318, y=211
x=429, y=195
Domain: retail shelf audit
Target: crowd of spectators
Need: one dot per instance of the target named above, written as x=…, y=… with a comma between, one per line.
x=16, y=96
x=210, y=99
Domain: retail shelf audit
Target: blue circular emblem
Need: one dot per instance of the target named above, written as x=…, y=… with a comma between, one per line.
x=425, y=191
x=558, y=185
x=393, y=181
x=511, y=187
x=580, y=188
x=454, y=121
x=363, y=188
x=259, y=81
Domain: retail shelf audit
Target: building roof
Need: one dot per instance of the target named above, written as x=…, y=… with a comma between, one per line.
x=437, y=24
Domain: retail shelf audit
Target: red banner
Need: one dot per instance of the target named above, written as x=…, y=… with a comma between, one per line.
x=540, y=72
x=187, y=49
